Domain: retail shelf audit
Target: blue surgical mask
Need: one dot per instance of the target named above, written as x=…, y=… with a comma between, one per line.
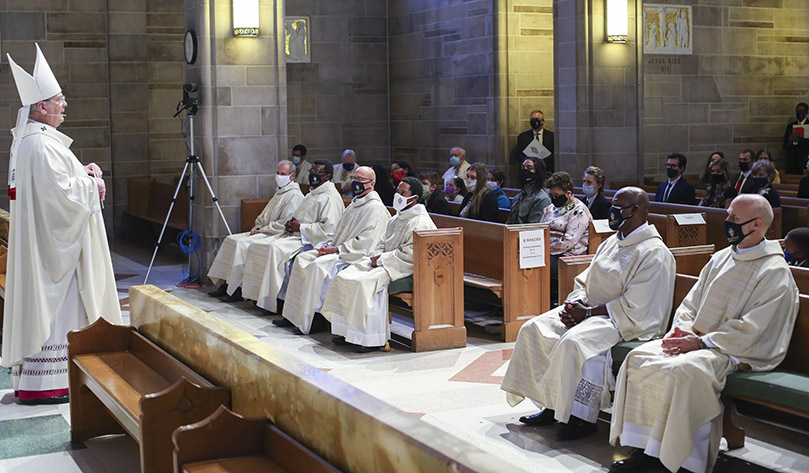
x=454, y=160
x=789, y=256
x=296, y=160
x=589, y=191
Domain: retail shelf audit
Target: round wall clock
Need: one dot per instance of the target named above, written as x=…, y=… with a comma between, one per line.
x=190, y=47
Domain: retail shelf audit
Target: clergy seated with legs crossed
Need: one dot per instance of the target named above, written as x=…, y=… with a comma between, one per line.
x=358, y=233
x=738, y=316
x=357, y=300
x=228, y=266
x=314, y=221
x=561, y=359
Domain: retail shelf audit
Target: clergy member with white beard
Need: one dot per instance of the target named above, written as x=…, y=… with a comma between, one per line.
x=358, y=233
x=269, y=262
x=738, y=317
x=228, y=266
x=357, y=300
x=561, y=360
x=59, y=273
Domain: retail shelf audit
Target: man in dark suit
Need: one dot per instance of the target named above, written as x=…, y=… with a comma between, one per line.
x=537, y=132
x=676, y=190
x=796, y=146
x=743, y=182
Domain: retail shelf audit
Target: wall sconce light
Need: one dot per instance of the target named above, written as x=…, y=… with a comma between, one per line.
x=245, y=18
x=617, y=21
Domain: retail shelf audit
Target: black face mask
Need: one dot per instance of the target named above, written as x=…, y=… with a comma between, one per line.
x=800, y=116
x=672, y=173
x=559, y=200
x=615, y=218
x=314, y=179
x=527, y=176
x=357, y=188
x=535, y=123
x=760, y=182
x=717, y=178
x=744, y=166
x=733, y=231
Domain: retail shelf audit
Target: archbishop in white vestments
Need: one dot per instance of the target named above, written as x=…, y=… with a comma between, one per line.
x=628, y=288
x=59, y=273
x=230, y=259
x=358, y=233
x=357, y=300
x=738, y=316
x=269, y=262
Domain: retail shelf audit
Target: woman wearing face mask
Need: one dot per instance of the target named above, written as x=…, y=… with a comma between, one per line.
x=705, y=178
x=383, y=186
x=455, y=190
x=763, y=173
x=592, y=185
x=399, y=170
x=532, y=200
x=495, y=181
x=569, y=220
x=764, y=154
x=434, y=198
x=720, y=193
x=480, y=203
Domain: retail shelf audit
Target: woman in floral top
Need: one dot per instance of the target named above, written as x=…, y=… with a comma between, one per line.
x=569, y=219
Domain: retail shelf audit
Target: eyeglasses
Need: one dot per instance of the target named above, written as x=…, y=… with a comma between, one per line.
x=59, y=101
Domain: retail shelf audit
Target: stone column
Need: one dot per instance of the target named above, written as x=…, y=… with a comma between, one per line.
x=598, y=93
x=240, y=129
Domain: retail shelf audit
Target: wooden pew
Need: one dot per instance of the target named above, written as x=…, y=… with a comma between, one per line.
x=228, y=442
x=250, y=210
x=690, y=260
x=122, y=382
x=795, y=213
x=435, y=291
x=673, y=233
x=149, y=200
x=491, y=262
x=801, y=276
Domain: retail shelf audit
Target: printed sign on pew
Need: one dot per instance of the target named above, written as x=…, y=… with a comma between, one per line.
x=532, y=249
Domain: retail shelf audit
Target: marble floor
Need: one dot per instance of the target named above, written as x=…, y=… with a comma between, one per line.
x=455, y=390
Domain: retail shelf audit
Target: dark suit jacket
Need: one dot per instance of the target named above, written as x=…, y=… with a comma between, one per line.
x=682, y=193
x=488, y=208
x=796, y=153
x=748, y=188
x=437, y=204
x=600, y=208
x=527, y=137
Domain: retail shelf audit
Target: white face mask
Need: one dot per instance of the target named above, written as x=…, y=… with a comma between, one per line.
x=470, y=184
x=589, y=191
x=282, y=181
x=400, y=201
x=492, y=185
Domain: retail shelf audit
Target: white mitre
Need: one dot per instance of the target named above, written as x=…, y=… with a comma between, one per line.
x=32, y=89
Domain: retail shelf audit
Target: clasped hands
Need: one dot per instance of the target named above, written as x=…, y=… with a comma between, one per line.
x=573, y=313
x=95, y=172
x=292, y=225
x=680, y=341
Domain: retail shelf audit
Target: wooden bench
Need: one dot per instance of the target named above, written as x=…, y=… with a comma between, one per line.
x=674, y=234
x=228, y=442
x=491, y=262
x=690, y=260
x=149, y=200
x=122, y=382
x=250, y=209
x=436, y=297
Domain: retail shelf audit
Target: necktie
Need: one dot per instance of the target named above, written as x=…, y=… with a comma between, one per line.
x=536, y=137
x=739, y=183
x=666, y=194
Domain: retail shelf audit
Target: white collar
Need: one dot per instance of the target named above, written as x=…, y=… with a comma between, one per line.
x=741, y=251
x=674, y=181
x=641, y=227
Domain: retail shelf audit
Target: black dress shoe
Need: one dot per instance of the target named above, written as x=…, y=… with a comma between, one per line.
x=222, y=291
x=63, y=399
x=339, y=340
x=636, y=463
x=236, y=297
x=575, y=429
x=362, y=349
x=544, y=417
x=282, y=322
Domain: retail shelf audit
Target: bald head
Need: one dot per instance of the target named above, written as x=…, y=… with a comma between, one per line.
x=365, y=172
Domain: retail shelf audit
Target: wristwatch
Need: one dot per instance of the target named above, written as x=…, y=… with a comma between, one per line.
x=589, y=313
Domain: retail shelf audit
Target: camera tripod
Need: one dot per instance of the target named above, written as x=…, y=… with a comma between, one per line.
x=190, y=106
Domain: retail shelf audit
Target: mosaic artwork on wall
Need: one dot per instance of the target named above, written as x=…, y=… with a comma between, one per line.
x=667, y=29
x=296, y=39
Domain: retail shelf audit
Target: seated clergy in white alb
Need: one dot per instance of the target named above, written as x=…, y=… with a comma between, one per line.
x=357, y=235
x=314, y=221
x=561, y=360
x=229, y=262
x=738, y=316
x=357, y=300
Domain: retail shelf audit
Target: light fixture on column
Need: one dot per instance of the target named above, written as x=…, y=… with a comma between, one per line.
x=245, y=18
x=617, y=21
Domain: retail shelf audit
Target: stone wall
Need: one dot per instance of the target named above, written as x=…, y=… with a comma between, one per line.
x=749, y=69
x=442, y=81
x=340, y=99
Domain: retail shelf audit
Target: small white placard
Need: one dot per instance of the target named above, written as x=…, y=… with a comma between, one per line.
x=689, y=219
x=532, y=249
x=535, y=149
x=602, y=226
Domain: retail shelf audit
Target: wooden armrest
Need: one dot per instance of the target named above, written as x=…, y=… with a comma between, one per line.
x=223, y=434
x=476, y=280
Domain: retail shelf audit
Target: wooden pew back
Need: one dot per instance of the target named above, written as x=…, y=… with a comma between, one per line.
x=798, y=351
x=483, y=244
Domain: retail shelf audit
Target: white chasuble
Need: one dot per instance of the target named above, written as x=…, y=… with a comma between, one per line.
x=56, y=236
x=354, y=291
x=357, y=235
x=230, y=259
x=634, y=278
x=745, y=304
x=318, y=214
